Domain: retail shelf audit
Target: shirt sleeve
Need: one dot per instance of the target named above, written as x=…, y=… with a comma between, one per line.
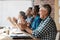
x=42, y=30
x=46, y=31
x=40, y=33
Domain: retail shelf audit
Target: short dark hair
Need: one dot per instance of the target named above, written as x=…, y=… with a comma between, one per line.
x=23, y=14
x=36, y=7
x=48, y=7
x=30, y=8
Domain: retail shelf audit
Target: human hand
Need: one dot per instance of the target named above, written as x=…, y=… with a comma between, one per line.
x=14, y=19
x=9, y=18
x=23, y=26
x=28, y=24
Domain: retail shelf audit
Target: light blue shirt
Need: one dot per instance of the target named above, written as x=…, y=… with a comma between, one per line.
x=29, y=19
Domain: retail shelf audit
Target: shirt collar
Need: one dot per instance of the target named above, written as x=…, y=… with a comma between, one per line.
x=45, y=18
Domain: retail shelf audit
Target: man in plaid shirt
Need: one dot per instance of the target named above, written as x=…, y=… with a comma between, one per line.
x=47, y=28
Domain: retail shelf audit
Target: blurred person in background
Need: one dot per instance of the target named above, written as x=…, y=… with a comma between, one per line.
x=47, y=28
x=36, y=18
x=29, y=16
x=18, y=22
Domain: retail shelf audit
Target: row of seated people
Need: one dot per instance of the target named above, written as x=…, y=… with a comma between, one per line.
x=37, y=22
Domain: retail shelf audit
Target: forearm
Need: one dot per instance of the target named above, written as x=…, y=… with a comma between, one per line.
x=28, y=30
x=19, y=26
x=11, y=21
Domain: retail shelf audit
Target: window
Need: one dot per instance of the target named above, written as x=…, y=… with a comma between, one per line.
x=12, y=8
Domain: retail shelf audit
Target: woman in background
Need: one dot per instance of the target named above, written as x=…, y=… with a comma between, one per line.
x=29, y=16
x=18, y=22
x=47, y=28
x=36, y=18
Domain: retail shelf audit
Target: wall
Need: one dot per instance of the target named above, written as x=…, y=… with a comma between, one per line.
x=51, y=2
x=12, y=8
x=15, y=0
x=55, y=11
x=57, y=14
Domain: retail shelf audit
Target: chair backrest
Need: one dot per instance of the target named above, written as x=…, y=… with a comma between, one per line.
x=58, y=36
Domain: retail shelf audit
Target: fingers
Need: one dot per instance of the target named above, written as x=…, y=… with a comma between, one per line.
x=14, y=19
x=9, y=18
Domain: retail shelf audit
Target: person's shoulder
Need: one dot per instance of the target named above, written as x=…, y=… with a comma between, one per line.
x=51, y=19
x=48, y=20
x=38, y=17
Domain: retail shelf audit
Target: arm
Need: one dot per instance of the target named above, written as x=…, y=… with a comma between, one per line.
x=42, y=30
x=36, y=33
x=12, y=22
x=28, y=30
x=20, y=26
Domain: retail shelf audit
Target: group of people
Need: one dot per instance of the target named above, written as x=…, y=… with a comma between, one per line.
x=37, y=22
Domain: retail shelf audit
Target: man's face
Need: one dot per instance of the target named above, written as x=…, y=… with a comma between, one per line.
x=43, y=11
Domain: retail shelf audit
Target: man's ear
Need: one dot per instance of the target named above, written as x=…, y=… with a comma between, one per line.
x=46, y=11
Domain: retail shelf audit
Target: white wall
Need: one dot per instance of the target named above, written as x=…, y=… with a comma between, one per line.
x=12, y=8
x=15, y=0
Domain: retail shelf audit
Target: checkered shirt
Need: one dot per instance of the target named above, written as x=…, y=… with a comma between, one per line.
x=46, y=30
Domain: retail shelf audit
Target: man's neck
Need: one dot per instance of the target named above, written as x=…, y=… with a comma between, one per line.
x=43, y=17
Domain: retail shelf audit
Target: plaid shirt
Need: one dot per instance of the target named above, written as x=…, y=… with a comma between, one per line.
x=46, y=30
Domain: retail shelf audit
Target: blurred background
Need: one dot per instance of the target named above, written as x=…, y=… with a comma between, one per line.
x=11, y=8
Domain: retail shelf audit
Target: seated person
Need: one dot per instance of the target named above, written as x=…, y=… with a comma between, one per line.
x=20, y=21
x=36, y=18
x=22, y=18
x=29, y=15
x=47, y=28
x=13, y=22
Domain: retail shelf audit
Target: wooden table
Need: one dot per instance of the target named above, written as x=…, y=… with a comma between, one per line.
x=4, y=36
